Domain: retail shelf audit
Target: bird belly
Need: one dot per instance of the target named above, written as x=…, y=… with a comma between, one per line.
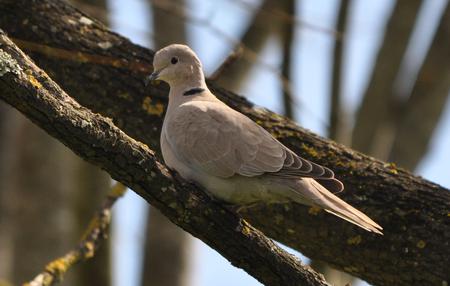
x=240, y=190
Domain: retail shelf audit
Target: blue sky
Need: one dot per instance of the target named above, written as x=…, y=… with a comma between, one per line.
x=311, y=87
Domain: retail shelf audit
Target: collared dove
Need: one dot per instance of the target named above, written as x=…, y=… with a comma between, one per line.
x=232, y=157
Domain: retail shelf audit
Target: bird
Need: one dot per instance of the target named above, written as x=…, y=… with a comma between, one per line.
x=236, y=160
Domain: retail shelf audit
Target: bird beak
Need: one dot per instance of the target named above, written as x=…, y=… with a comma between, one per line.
x=152, y=77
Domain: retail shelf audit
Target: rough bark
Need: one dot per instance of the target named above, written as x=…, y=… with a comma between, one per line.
x=413, y=211
x=420, y=115
x=96, y=139
x=368, y=131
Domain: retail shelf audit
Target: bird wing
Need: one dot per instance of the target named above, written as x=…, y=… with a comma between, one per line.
x=222, y=142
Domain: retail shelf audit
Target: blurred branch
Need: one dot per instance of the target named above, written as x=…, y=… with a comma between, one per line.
x=251, y=43
x=335, y=120
x=95, y=8
x=287, y=17
x=95, y=138
x=413, y=211
x=420, y=114
x=229, y=60
x=168, y=29
x=374, y=107
x=95, y=234
x=287, y=36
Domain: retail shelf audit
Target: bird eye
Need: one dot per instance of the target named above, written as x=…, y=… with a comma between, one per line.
x=174, y=60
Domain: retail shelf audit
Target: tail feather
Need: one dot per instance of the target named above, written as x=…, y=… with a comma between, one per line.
x=316, y=194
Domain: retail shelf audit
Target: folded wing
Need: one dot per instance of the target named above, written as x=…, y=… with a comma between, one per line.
x=218, y=140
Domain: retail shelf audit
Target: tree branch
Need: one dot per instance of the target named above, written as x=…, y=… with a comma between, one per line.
x=96, y=139
x=413, y=212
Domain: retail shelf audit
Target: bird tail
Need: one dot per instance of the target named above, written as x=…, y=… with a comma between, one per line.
x=313, y=193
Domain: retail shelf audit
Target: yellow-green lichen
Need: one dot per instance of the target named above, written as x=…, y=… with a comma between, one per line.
x=421, y=244
x=314, y=210
x=349, y=165
x=354, y=240
x=90, y=249
x=245, y=228
x=392, y=168
x=34, y=82
x=310, y=151
x=57, y=267
x=151, y=108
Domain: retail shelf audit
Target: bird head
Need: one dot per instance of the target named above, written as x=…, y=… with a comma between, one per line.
x=176, y=64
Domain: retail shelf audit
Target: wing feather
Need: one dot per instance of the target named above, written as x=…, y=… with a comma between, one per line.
x=222, y=142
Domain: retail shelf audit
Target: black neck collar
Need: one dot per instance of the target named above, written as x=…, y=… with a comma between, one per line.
x=193, y=91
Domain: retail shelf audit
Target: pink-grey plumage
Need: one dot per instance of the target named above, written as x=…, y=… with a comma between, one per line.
x=234, y=158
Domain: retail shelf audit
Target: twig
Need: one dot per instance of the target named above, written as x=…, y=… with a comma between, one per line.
x=93, y=237
x=289, y=18
x=232, y=57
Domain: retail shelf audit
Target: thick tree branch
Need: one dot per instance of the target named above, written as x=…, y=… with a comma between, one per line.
x=414, y=212
x=96, y=139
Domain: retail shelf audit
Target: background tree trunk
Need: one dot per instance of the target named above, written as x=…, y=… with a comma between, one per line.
x=164, y=239
x=369, y=134
x=287, y=40
x=337, y=129
x=418, y=116
x=36, y=198
x=254, y=39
